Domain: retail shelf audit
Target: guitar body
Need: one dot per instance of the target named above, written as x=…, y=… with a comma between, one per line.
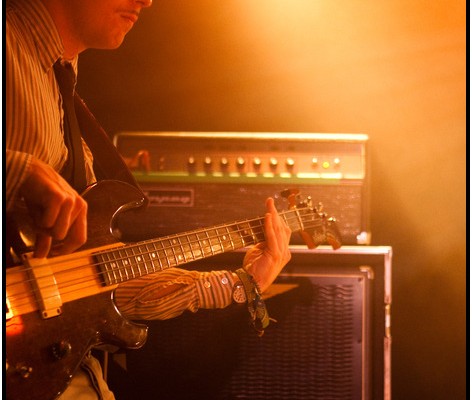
x=43, y=354
x=59, y=308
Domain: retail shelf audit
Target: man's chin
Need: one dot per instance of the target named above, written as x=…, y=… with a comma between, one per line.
x=111, y=43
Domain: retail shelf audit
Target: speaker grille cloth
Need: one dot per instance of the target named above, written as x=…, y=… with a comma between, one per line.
x=314, y=351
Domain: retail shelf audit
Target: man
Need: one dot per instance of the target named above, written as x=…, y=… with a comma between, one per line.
x=40, y=33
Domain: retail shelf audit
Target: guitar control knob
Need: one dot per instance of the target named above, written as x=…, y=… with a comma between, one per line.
x=61, y=349
x=24, y=371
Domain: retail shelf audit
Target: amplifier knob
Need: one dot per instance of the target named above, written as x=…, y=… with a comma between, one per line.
x=290, y=162
x=191, y=164
x=257, y=162
x=314, y=162
x=207, y=161
x=337, y=162
x=240, y=162
x=224, y=164
x=273, y=162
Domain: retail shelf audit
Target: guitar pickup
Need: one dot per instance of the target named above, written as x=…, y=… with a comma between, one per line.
x=45, y=286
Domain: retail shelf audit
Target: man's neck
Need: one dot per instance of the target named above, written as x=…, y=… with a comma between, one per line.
x=61, y=15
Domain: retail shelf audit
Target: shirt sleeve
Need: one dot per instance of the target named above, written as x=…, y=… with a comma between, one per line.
x=17, y=165
x=169, y=293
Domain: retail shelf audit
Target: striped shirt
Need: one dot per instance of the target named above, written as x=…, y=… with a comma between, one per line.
x=34, y=129
x=33, y=105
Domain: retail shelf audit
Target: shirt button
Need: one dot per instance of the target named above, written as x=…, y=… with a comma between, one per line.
x=224, y=281
x=207, y=284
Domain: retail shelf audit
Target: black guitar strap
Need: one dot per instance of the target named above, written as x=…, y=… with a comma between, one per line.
x=108, y=164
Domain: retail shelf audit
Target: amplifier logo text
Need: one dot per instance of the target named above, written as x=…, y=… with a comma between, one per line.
x=170, y=197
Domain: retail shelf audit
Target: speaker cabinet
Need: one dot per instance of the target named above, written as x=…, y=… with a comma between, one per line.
x=331, y=339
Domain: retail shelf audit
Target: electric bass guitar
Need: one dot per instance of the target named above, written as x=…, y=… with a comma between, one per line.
x=58, y=308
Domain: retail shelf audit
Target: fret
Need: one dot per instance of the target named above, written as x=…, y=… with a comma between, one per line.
x=209, y=242
x=113, y=267
x=117, y=264
x=237, y=236
x=287, y=220
x=196, y=246
x=153, y=256
x=140, y=260
x=182, y=256
x=222, y=239
x=237, y=233
x=104, y=271
x=125, y=261
x=107, y=268
x=165, y=244
x=215, y=242
x=220, y=242
x=202, y=242
x=117, y=261
x=117, y=276
x=189, y=247
x=128, y=262
x=175, y=256
x=247, y=234
x=157, y=254
x=231, y=242
x=258, y=231
x=150, y=262
x=144, y=262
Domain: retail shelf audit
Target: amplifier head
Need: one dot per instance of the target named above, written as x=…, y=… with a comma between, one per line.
x=198, y=179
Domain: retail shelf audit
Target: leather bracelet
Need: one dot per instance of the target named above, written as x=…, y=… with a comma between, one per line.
x=255, y=304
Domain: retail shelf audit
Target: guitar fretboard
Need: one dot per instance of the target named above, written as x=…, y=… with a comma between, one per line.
x=146, y=257
x=142, y=258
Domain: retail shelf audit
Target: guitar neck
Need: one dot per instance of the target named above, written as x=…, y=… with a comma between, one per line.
x=132, y=261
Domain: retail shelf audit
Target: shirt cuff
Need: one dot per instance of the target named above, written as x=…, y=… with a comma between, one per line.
x=214, y=289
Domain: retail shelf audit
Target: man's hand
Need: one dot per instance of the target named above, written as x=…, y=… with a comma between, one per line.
x=265, y=260
x=59, y=213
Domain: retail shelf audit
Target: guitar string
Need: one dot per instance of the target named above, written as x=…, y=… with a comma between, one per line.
x=167, y=240
x=162, y=249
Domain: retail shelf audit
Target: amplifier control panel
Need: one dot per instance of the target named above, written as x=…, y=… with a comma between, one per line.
x=244, y=154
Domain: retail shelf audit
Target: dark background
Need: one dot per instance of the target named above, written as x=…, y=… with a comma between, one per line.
x=395, y=70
